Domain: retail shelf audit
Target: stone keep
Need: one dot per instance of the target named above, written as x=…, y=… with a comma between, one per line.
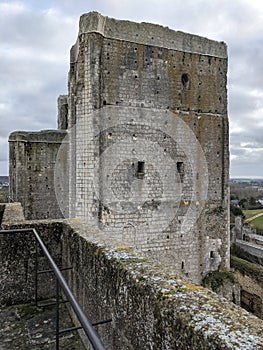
x=148, y=157
x=145, y=158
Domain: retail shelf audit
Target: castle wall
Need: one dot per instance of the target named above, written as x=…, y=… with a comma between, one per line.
x=249, y=276
x=144, y=97
x=33, y=157
x=113, y=282
x=250, y=247
x=63, y=112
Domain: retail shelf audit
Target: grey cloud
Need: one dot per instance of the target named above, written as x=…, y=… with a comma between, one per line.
x=33, y=72
x=41, y=30
x=35, y=43
x=241, y=103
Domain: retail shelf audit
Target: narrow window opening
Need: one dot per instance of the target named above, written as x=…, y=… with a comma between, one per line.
x=185, y=81
x=212, y=254
x=182, y=265
x=233, y=298
x=180, y=169
x=140, y=169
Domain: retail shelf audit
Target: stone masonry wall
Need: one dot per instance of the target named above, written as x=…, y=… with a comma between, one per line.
x=250, y=247
x=249, y=276
x=17, y=260
x=62, y=112
x=150, y=306
x=144, y=97
x=32, y=162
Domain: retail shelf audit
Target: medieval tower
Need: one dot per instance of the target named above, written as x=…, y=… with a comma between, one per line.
x=147, y=142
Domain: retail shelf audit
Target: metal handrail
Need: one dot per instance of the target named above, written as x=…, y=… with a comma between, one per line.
x=85, y=323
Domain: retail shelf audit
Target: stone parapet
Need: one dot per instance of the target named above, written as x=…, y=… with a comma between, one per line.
x=142, y=298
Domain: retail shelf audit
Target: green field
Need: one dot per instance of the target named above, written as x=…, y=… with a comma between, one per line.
x=258, y=222
x=249, y=213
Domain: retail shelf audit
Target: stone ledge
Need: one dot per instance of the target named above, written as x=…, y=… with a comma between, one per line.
x=207, y=320
x=12, y=213
x=45, y=136
x=150, y=34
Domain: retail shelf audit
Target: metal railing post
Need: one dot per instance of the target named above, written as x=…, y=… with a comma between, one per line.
x=36, y=272
x=85, y=323
x=57, y=314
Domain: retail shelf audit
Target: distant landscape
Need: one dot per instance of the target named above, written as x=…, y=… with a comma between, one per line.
x=248, y=192
x=4, y=189
x=246, y=199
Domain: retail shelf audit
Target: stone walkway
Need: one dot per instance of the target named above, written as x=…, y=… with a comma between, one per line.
x=25, y=327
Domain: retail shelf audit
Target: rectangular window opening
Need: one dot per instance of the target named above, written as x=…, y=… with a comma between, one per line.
x=140, y=169
x=180, y=169
x=212, y=254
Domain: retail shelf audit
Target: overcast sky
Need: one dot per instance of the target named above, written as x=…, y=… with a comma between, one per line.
x=36, y=36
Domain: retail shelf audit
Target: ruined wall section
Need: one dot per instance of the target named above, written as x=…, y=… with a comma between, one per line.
x=63, y=112
x=32, y=161
x=149, y=34
x=123, y=65
x=249, y=277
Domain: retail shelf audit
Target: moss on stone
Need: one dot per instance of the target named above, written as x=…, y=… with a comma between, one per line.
x=27, y=311
x=247, y=268
x=216, y=279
